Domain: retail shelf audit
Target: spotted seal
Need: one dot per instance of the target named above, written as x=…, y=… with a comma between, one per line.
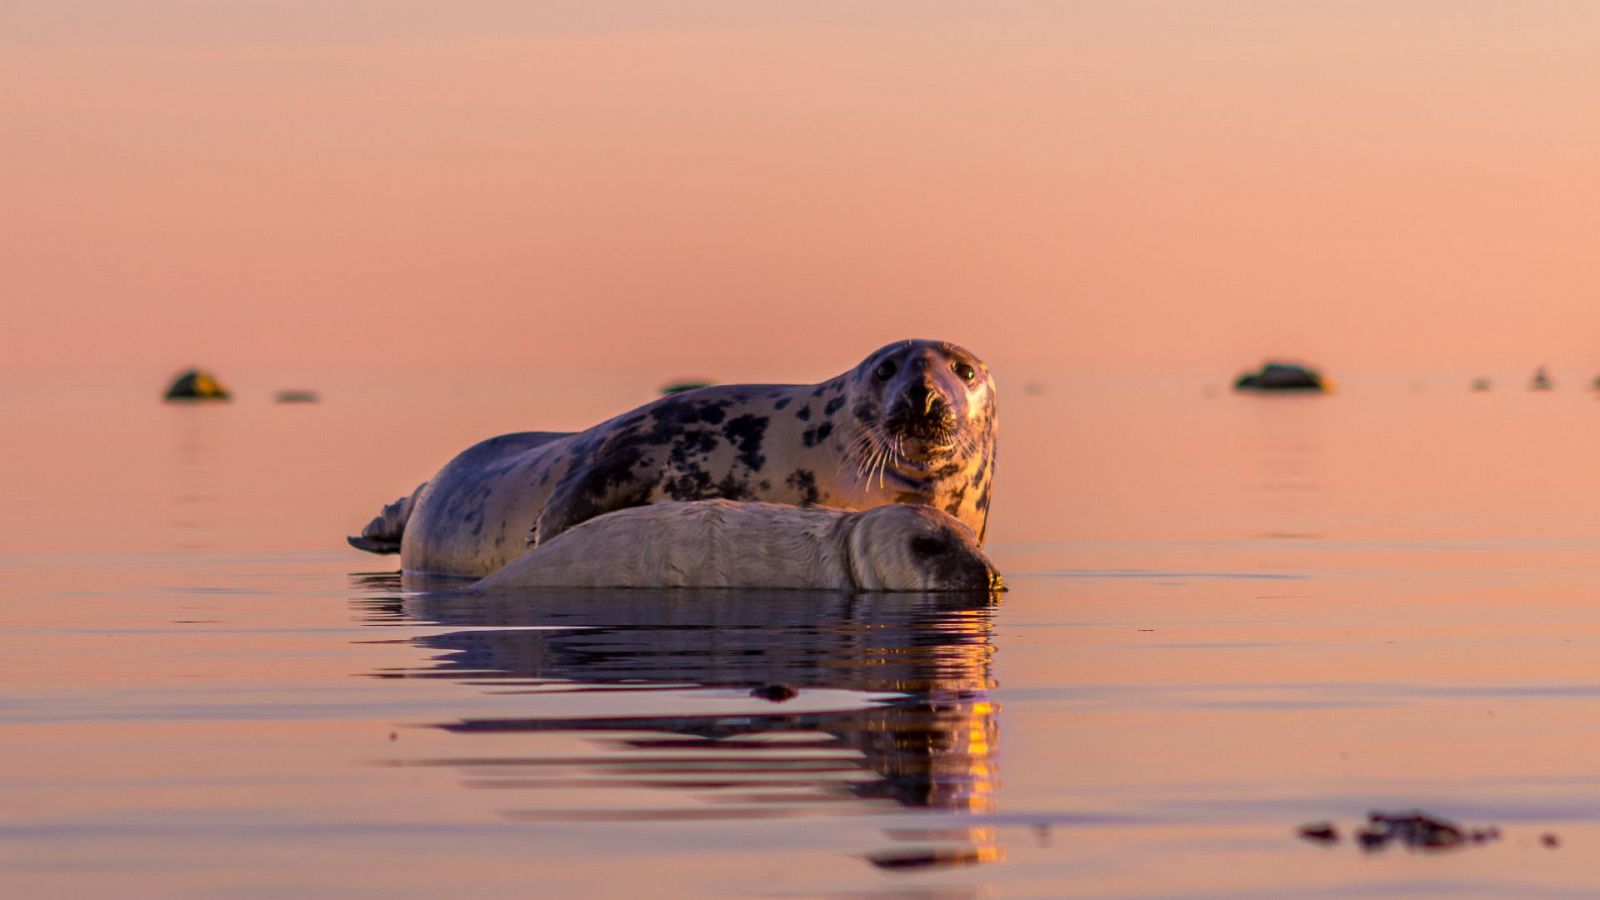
x=914, y=423
x=724, y=544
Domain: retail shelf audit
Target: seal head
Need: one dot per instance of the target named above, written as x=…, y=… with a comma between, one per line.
x=915, y=548
x=923, y=422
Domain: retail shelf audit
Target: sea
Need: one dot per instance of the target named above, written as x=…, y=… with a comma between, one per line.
x=1230, y=618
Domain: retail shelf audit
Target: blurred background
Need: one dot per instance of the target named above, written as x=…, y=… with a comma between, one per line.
x=287, y=190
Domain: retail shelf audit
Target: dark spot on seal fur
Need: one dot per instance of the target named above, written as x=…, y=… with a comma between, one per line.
x=833, y=406
x=954, y=506
x=610, y=468
x=674, y=414
x=804, y=483
x=730, y=488
x=745, y=433
x=698, y=441
x=803, y=413
x=815, y=436
x=694, y=484
x=782, y=403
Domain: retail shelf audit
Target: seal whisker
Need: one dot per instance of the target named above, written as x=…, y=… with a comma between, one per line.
x=868, y=452
x=861, y=464
x=883, y=463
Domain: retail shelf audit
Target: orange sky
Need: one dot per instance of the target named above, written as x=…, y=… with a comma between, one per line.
x=775, y=188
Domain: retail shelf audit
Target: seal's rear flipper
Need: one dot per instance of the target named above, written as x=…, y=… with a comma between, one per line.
x=371, y=546
x=383, y=533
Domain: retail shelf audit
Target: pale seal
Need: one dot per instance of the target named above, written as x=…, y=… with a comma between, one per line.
x=914, y=423
x=723, y=544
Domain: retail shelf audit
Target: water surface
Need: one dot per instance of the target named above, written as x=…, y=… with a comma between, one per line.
x=1228, y=616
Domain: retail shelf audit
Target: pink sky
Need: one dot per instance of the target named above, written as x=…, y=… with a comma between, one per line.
x=778, y=188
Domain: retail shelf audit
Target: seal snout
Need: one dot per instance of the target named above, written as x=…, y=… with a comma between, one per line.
x=922, y=412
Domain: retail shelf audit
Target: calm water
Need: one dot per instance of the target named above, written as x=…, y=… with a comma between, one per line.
x=1228, y=616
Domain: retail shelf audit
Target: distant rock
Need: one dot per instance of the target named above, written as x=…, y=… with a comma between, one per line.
x=1412, y=829
x=1482, y=384
x=678, y=387
x=1320, y=833
x=197, y=384
x=296, y=395
x=1280, y=376
x=1541, y=381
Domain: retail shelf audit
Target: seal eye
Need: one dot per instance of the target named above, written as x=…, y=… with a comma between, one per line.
x=965, y=372
x=885, y=370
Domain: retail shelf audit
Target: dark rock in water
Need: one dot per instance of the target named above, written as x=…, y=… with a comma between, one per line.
x=1412, y=828
x=296, y=396
x=1371, y=839
x=1482, y=384
x=197, y=384
x=777, y=693
x=1320, y=833
x=1277, y=376
x=678, y=387
x=1541, y=381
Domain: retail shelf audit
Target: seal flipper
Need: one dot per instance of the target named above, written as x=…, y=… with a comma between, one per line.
x=588, y=492
x=383, y=533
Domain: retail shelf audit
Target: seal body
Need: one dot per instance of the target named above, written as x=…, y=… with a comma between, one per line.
x=723, y=544
x=913, y=423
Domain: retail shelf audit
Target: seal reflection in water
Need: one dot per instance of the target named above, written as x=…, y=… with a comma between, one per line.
x=892, y=712
x=721, y=544
x=914, y=423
